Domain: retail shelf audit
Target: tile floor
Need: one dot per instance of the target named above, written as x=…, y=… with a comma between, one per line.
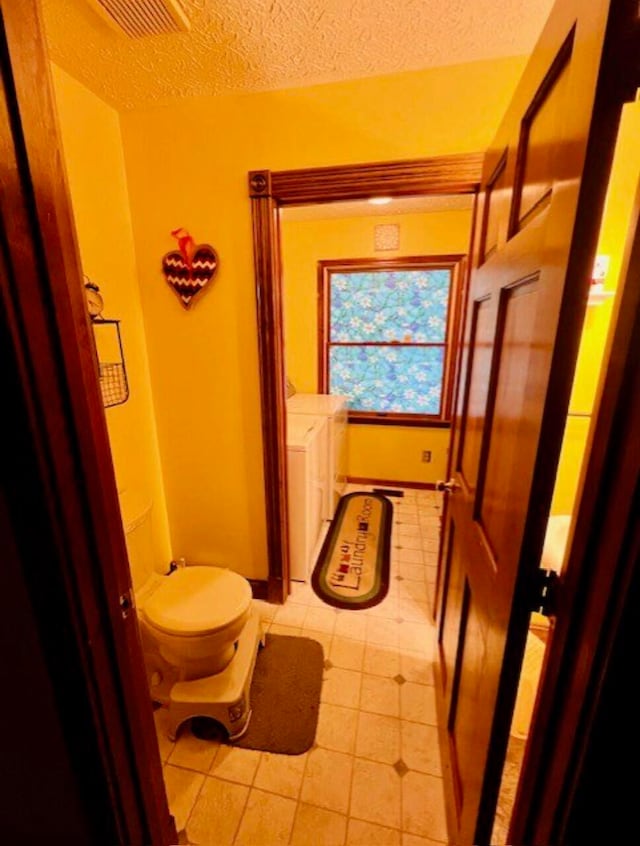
x=373, y=776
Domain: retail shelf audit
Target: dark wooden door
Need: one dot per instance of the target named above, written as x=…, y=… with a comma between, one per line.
x=59, y=493
x=542, y=191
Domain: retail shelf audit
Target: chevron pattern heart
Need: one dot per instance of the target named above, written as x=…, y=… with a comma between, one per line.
x=188, y=276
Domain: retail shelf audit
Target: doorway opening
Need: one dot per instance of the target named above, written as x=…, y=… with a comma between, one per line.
x=271, y=193
x=372, y=298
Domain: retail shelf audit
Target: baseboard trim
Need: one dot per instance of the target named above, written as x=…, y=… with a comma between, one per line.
x=259, y=588
x=389, y=483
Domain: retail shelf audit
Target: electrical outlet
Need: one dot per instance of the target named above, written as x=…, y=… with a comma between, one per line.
x=426, y=455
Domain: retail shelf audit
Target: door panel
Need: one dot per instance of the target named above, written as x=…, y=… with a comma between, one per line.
x=479, y=369
x=467, y=695
x=535, y=168
x=543, y=187
x=450, y=610
x=495, y=207
x=499, y=508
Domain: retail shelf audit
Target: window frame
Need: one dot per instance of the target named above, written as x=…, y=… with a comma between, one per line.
x=451, y=262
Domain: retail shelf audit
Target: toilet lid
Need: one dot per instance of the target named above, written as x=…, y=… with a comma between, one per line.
x=198, y=601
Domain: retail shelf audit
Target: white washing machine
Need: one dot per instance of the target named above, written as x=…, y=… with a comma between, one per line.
x=308, y=483
x=334, y=409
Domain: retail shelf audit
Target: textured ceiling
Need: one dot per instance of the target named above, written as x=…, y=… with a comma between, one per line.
x=258, y=45
x=362, y=208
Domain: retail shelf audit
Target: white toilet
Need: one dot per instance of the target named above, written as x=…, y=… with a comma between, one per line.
x=196, y=617
x=199, y=632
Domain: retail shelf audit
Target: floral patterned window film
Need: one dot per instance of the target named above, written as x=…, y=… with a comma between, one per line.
x=397, y=379
x=386, y=337
x=402, y=306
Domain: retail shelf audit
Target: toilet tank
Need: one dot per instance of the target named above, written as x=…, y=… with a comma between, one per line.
x=136, y=512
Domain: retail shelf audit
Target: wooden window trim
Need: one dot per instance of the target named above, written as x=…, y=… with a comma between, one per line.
x=451, y=262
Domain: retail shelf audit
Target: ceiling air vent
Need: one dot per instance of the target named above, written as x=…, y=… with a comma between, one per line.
x=139, y=18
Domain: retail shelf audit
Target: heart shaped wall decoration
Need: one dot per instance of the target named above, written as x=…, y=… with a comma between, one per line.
x=190, y=268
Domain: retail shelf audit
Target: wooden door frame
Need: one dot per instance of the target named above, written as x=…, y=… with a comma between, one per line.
x=93, y=651
x=269, y=191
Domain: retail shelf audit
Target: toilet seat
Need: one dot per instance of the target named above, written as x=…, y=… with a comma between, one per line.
x=197, y=601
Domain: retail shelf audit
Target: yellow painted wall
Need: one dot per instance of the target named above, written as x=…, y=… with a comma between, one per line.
x=187, y=166
x=95, y=168
x=392, y=453
x=620, y=193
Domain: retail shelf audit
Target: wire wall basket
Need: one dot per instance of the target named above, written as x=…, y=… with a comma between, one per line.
x=111, y=367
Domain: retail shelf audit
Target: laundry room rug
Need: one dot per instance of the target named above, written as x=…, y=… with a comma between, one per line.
x=285, y=698
x=352, y=570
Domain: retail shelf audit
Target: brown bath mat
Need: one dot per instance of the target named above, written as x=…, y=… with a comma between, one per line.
x=285, y=698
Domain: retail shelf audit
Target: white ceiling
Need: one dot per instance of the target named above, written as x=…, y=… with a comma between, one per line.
x=258, y=45
x=362, y=208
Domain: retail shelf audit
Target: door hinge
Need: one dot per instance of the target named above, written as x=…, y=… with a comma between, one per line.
x=126, y=603
x=545, y=592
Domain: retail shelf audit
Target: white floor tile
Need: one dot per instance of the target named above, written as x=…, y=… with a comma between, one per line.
x=381, y=631
x=362, y=833
x=415, y=637
x=418, y=703
x=407, y=531
x=267, y=819
x=281, y=774
x=290, y=615
x=412, y=590
x=347, y=653
x=341, y=687
x=327, y=780
x=318, y=827
x=301, y=593
x=320, y=620
x=337, y=727
x=381, y=661
x=323, y=638
x=410, y=542
x=412, y=572
x=410, y=556
x=193, y=753
x=375, y=794
x=388, y=608
x=420, y=750
x=161, y=719
x=414, y=840
x=217, y=813
x=423, y=806
x=235, y=764
x=290, y=631
x=351, y=624
x=414, y=610
x=416, y=668
x=378, y=738
x=380, y=696
x=183, y=787
x=266, y=610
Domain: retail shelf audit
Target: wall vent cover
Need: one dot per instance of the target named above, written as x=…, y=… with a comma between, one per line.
x=139, y=18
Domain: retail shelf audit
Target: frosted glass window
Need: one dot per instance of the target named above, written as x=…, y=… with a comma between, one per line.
x=386, y=337
x=404, y=380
